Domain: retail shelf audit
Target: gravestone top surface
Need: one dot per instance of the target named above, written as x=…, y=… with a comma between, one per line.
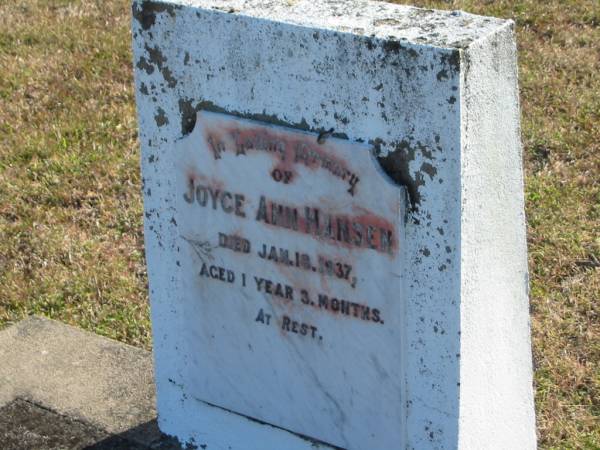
x=450, y=29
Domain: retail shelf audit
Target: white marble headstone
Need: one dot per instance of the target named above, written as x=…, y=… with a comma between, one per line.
x=334, y=225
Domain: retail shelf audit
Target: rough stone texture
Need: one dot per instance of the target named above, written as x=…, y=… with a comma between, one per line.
x=435, y=95
x=96, y=389
x=496, y=367
x=26, y=426
x=380, y=20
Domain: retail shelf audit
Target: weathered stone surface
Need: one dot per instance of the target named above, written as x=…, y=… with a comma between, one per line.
x=25, y=426
x=290, y=267
x=78, y=374
x=422, y=107
x=61, y=387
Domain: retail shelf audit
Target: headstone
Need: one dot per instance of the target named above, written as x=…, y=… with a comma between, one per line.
x=334, y=225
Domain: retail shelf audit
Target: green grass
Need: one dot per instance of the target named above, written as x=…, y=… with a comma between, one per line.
x=71, y=244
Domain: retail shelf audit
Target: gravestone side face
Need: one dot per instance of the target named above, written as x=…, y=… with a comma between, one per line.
x=334, y=225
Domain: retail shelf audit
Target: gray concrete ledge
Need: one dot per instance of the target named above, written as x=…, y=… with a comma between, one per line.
x=97, y=388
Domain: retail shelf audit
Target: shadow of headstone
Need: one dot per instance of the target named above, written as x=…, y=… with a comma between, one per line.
x=25, y=425
x=143, y=437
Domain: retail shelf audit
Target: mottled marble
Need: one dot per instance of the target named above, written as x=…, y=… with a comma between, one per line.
x=424, y=110
x=291, y=279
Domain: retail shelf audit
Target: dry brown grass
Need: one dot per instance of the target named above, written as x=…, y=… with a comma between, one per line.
x=70, y=208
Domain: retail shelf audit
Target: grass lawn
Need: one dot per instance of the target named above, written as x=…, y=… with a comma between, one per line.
x=70, y=204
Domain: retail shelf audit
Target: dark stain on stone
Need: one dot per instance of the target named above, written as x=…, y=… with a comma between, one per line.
x=392, y=47
x=161, y=118
x=188, y=116
x=396, y=165
x=158, y=59
x=466, y=62
x=342, y=119
x=378, y=87
x=186, y=58
x=426, y=152
x=452, y=59
x=145, y=11
x=144, y=88
x=144, y=65
x=188, y=109
x=396, y=47
x=442, y=75
x=429, y=169
x=169, y=78
x=452, y=100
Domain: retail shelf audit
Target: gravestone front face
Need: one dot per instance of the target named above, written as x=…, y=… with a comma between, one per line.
x=334, y=225
x=290, y=274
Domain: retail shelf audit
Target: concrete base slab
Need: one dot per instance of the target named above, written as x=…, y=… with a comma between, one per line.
x=61, y=387
x=25, y=425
